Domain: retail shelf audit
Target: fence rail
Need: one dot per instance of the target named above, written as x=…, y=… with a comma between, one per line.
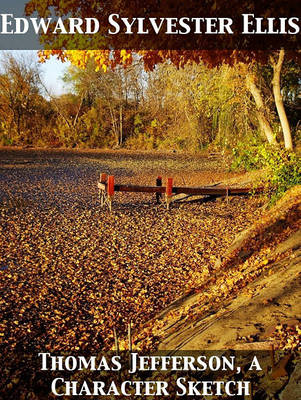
x=107, y=189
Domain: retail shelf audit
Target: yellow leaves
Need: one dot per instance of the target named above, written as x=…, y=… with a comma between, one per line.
x=102, y=58
x=286, y=337
x=126, y=55
x=79, y=271
x=122, y=344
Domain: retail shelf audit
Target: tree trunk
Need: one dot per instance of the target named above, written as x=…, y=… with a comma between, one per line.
x=115, y=130
x=279, y=101
x=263, y=122
x=78, y=110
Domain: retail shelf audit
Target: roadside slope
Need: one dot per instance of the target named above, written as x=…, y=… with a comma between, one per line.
x=250, y=290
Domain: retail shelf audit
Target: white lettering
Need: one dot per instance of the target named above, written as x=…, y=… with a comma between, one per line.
x=60, y=26
x=247, y=23
x=89, y=30
x=6, y=23
x=128, y=25
x=22, y=26
x=114, y=24
x=155, y=26
x=54, y=386
x=75, y=25
x=37, y=26
x=44, y=360
x=293, y=24
x=255, y=364
x=184, y=25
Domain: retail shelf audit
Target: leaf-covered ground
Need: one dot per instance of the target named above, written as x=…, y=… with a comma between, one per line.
x=70, y=271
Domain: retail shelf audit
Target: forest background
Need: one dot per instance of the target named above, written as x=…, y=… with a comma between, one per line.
x=248, y=111
x=169, y=108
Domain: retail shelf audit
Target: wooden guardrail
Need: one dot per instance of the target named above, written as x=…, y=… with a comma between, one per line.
x=107, y=188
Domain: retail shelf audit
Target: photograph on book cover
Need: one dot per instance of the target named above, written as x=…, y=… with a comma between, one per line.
x=150, y=192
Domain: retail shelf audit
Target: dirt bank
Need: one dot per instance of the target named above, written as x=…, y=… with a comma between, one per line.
x=252, y=287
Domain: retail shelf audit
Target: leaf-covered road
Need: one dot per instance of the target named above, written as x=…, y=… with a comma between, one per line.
x=70, y=272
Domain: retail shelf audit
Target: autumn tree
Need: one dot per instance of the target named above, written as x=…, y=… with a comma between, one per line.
x=20, y=94
x=116, y=93
x=211, y=55
x=195, y=106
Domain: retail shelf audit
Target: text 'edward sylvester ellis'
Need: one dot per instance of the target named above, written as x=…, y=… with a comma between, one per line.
x=251, y=24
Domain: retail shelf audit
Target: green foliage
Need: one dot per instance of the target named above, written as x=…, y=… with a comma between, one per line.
x=5, y=140
x=283, y=168
x=138, y=124
x=138, y=120
x=154, y=123
x=285, y=172
x=247, y=155
x=224, y=106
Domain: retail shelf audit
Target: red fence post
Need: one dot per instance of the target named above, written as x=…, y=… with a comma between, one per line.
x=110, y=188
x=168, y=192
x=111, y=185
x=169, y=187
